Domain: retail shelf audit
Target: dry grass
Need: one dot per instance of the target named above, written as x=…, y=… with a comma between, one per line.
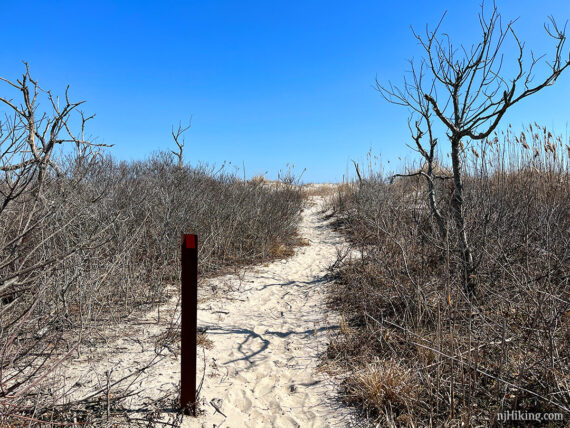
x=258, y=179
x=384, y=385
x=325, y=190
x=465, y=359
x=280, y=251
x=203, y=341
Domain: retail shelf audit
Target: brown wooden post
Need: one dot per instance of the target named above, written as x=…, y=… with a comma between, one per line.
x=189, y=323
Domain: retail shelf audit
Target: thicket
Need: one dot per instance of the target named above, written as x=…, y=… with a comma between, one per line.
x=461, y=293
x=419, y=349
x=86, y=240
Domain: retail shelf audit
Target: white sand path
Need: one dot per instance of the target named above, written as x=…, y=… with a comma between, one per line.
x=267, y=338
x=268, y=329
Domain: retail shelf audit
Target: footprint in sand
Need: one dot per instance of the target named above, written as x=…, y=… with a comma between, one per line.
x=285, y=422
x=264, y=387
x=239, y=400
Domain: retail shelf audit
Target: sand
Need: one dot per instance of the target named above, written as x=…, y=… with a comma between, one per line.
x=267, y=328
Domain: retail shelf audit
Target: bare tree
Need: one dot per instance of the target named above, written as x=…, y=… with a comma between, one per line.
x=27, y=155
x=33, y=239
x=179, y=141
x=466, y=91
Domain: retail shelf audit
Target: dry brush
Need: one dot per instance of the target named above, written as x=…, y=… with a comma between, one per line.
x=86, y=240
x=419, y=349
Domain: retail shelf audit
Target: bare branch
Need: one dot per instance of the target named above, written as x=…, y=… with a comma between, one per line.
x=176, y=135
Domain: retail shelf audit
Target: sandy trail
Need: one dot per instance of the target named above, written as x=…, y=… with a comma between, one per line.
x=268, y=335
x=268, y=328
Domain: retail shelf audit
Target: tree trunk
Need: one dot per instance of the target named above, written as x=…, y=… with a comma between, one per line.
x=433, y=203
x=457, y=207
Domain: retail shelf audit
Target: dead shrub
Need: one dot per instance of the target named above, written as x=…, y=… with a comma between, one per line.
x=505, y=347
x=85, y=240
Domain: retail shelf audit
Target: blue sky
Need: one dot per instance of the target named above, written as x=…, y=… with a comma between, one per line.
x=267, y=82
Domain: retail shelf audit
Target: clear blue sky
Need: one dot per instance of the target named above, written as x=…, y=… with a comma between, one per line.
x=267, y=82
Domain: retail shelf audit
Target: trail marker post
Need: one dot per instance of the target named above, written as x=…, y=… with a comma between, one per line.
x=189, y=323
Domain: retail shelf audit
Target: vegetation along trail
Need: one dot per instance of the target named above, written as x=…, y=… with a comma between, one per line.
x=262, y=333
